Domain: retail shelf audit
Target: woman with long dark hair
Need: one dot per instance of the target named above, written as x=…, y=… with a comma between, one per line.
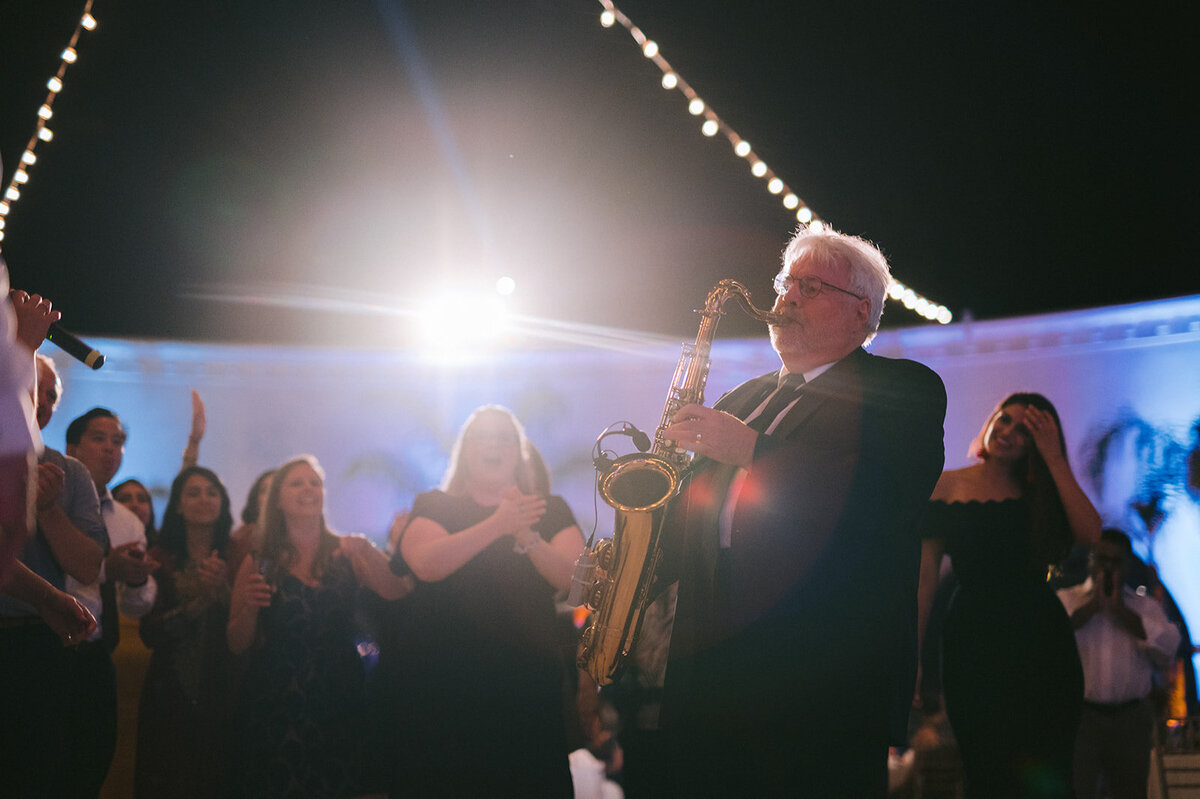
x=1011, y=675
x=181, y=717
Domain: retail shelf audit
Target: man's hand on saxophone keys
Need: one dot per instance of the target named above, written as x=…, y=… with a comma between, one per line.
x=713, y=434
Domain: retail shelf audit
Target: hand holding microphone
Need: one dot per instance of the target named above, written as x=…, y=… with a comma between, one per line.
x=37, y=321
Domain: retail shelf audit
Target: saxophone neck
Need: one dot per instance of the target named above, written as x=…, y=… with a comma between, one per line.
x=721, y=293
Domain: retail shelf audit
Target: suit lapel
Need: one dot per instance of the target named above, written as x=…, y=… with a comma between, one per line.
x=833, y=383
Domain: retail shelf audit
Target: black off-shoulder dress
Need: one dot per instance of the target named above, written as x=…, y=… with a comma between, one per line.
x=1011, y=674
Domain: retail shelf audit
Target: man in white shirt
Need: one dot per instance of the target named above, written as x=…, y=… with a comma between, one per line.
x=1123, y=635
x=98, y=441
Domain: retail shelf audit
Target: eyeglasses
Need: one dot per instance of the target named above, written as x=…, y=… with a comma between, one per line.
x=810, y=286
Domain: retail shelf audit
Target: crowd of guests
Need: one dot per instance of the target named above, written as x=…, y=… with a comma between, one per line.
x=287, y=660
x=262, y=678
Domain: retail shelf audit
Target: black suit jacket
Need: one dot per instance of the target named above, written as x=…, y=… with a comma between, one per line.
x=816, y=596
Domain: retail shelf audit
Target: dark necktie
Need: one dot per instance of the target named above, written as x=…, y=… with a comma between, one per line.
x=787, y=392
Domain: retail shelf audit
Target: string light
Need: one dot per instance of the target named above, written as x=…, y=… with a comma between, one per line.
x=713, y=124
x=41, y=133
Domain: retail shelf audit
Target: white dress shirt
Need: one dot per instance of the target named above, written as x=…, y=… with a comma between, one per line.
x=123, y=527
x=1116, y=666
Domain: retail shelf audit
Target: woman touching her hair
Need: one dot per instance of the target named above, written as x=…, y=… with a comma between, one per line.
x=1011, y=674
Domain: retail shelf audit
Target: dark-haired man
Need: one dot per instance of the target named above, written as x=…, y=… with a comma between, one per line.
x=97, y=440
x=1123, y=634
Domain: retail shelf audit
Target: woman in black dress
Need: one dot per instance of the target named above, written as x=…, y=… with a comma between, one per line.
x=1011, y=674
x=300, y=719
x=480, y=682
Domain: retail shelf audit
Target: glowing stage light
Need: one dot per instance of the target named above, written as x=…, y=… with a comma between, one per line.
x=457, y=328
x=505, y=286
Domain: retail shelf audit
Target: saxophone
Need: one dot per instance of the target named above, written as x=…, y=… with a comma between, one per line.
x=615, y=576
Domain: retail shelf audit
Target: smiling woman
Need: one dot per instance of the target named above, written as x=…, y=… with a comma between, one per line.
x=183, y=714
x=478, y=686
x=1012, y=679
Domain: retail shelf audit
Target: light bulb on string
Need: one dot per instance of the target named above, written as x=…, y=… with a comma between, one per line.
x=713, y=124
x=88, y=22
x=69, y=55
x=54, y=84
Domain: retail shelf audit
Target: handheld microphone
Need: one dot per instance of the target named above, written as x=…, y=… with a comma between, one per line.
x=70, y=344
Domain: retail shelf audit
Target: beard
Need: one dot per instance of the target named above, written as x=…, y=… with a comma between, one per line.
x=801, y=337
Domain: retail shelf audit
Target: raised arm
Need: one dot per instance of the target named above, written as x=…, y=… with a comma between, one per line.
x=1081, y=514
x=191, y=453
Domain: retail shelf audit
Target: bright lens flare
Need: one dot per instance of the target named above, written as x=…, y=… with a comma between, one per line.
x=455, y=329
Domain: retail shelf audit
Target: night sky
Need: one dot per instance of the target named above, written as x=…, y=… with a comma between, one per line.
x=1009, y=158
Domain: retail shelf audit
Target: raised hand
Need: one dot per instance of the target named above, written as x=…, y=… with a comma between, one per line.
x=1044, y=432
x=34, y=315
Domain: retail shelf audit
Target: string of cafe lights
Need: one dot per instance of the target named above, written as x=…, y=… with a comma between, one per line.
x=42, y=132
x=713, y=125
